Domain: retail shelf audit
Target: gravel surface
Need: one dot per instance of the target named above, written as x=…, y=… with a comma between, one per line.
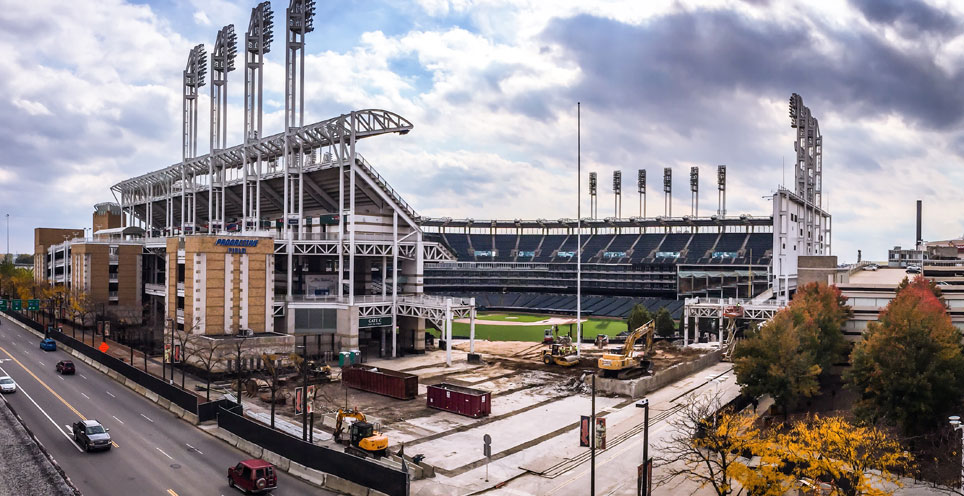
x=24, y=469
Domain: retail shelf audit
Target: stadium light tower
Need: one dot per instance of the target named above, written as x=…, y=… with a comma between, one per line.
x=593, y=206
x=194, y=74
x=300, y=18
x=721, y=190
x=668, y=191
x=257, y=43
x=641, y=187
x=695, y=190
x=618, y=192
x=222, y=62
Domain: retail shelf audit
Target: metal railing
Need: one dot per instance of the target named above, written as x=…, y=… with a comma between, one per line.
x=385, y=187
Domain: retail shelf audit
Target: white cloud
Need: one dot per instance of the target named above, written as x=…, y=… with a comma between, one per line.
x=201, y=18
x=31, y=107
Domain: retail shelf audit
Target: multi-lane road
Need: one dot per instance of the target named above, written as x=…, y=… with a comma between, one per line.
x=154, y=452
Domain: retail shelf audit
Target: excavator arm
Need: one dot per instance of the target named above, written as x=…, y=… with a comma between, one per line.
x=643, y=330
x=340, y=419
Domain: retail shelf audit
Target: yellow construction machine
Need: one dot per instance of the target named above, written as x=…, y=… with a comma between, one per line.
x=626, y=364
x=363, y=438
x=563, y=354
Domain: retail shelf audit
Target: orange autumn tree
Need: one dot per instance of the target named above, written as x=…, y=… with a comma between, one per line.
x=908, y=368
x=786, y=356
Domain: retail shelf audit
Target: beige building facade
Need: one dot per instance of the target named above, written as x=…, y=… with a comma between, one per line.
x=220, y=285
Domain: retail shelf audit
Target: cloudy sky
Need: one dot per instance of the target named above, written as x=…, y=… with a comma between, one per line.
x=90, y=95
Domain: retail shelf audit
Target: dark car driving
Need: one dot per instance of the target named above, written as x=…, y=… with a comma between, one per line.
x=65, y=367
x=91, y=435
x=253, y=475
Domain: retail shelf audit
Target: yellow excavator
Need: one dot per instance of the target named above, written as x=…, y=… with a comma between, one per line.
x=626, y=364
x=562, y=353
x=363, y=440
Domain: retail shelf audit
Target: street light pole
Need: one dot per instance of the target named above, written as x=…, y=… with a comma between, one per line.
x=172, y=350
x=644, y=481
x=955, y=422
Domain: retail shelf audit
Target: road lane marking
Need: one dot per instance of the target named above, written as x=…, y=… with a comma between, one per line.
x=110, y=394
x=41, y=363
x=171, y=491
x=44, y=384
x=148, y=418
x=20, y=388
x=61, y=378
x=119, y=420
x=195, y=449
x=85, y=396
x=84, y=376
x=62, y=400
x=163, y=453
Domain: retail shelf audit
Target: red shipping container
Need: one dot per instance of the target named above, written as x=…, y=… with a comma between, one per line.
x=381, y=381
x=470, y=402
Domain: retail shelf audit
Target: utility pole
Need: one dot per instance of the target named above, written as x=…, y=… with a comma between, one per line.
x=592, y=441
x=579, y=229
x=8, y=234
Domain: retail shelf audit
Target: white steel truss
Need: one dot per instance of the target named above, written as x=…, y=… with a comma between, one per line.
x=716, y=308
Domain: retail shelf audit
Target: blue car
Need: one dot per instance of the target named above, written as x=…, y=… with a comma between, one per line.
x=48, y=345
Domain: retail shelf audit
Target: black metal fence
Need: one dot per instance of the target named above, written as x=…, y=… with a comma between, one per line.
x=176, y=395
x=209, y=411
x=349, y=467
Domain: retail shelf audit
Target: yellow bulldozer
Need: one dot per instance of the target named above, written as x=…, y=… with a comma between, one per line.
x=363, y=438
x=626, y=364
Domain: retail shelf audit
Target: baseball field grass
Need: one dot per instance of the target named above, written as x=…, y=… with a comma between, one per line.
x=533, y=333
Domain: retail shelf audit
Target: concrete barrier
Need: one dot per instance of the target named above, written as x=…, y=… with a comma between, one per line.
x=638, y=388
x=151, y=395
x=224, y=435
x=190, y=417
x=306, y=474
x=276, y=460
x=163, y=402
x=336, y=483
x=250, y=448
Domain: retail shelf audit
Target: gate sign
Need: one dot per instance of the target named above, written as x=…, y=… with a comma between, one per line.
x=601, y=433
x=298, y=399
x=33, y=305
x=18, y=305
x=584, y=431
x=379, y=321
x=3, y=305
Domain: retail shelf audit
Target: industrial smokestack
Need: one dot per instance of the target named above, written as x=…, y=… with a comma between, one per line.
x=920, y=240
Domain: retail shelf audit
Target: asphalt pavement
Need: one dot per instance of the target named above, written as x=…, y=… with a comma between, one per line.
x=154, y=452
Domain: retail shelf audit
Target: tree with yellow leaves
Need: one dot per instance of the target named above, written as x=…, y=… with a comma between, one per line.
x=713, y=446
x=716, y=447
x=852, y=459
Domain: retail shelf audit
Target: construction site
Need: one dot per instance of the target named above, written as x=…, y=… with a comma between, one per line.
x=530, y=395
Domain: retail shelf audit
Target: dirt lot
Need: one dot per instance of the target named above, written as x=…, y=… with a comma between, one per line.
x=508, y=366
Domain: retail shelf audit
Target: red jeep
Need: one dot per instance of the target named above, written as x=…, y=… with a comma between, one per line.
x=255, y=476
